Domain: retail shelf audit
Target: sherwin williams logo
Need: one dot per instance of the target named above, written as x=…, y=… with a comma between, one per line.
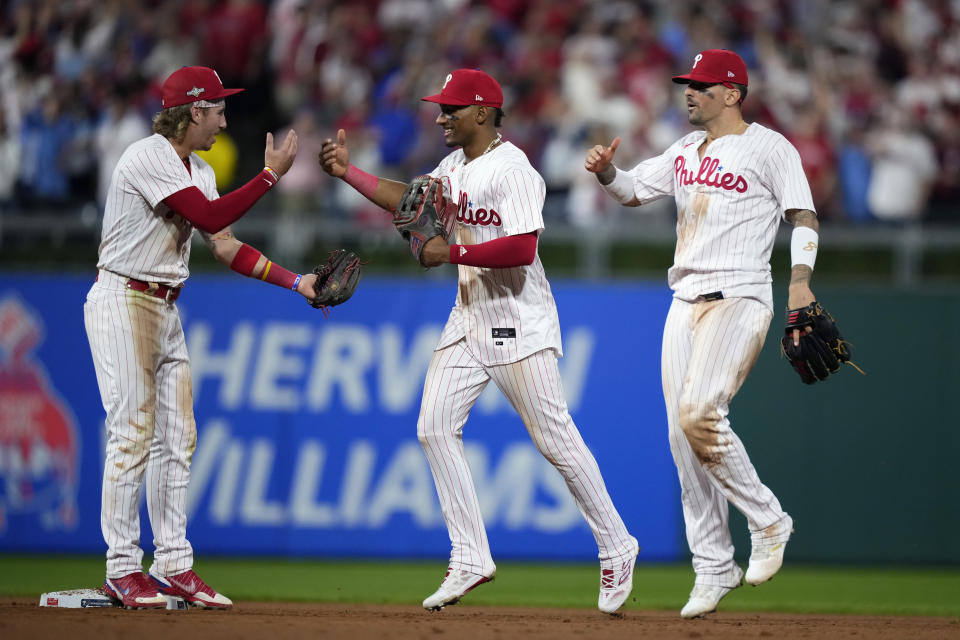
x=39, y=447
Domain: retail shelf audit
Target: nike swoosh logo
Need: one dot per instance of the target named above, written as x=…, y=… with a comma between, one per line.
x=267, y=181
x=189, y=588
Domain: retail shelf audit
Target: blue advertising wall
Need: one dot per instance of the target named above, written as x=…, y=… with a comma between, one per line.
x=307, y=426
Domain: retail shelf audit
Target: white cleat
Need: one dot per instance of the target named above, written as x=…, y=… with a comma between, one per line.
x=705, y=598
x=455, y=585
x=766, y=556
x=616, y=582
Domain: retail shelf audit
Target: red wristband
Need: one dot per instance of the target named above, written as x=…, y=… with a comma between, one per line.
x=362, y=181
x=246, y=260
x=275, y=274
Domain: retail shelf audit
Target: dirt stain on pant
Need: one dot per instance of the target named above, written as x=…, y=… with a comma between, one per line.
x=700, y=425
x=145, y=324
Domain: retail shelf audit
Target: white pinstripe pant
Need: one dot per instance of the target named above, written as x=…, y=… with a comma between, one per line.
x=143, y=371
x=533, y=386
x=708, y=350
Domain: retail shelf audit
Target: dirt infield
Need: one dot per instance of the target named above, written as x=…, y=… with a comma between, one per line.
x=20, y=618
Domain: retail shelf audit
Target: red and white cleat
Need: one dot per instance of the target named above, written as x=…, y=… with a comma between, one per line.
x=134, y=591
x=189, y=586
x=616, y=582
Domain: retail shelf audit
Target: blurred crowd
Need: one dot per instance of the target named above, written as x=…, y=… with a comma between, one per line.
x=868, y=91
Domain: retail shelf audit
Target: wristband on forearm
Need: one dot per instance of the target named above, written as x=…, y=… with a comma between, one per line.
x=362, y=181
x=621, y=187
x=245, y=263
x=804, y=243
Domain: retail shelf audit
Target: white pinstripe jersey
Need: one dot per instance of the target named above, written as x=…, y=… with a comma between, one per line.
x=505, y=314
x=729, y=206
x=142, y=238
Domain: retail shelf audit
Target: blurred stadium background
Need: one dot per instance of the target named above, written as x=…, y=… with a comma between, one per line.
x=306, y=448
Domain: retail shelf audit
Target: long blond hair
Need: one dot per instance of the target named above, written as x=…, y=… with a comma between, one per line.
x=173, y=122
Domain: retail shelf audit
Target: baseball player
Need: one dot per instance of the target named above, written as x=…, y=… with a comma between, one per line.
x=503, y=327
x=732, y=183
x=160, y=191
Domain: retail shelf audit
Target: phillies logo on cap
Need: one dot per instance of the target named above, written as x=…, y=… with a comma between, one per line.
x=716, y=66
x=465, y=87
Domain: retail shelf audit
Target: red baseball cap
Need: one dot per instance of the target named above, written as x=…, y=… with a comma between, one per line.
x=191, y=84
x=464, y=87
x=716, y=66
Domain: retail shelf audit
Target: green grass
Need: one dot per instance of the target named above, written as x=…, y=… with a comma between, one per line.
x=799, y=589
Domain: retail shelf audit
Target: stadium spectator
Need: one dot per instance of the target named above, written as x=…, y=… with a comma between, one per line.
x=904, y=168
x=580, y=61
x=9, y=162
x=45, y=140
x=120, y=126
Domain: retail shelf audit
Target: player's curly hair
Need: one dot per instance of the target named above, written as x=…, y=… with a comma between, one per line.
x=173, y=122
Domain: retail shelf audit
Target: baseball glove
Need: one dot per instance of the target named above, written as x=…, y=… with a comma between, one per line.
x=337, y=279
x=821, y=351
x=425, y=211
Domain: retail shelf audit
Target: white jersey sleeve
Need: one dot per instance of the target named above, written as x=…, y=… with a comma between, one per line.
x=522, y=191
x=654, y=178
x=783, y=175
x=155, y=173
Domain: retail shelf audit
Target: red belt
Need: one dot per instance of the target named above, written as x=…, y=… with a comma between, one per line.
x=155, y=289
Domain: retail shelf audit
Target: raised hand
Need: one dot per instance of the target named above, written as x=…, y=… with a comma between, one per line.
x=334, y=156
x=280, y=160
x=600, y=158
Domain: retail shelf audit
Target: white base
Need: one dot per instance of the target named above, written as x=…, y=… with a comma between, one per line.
x=76, y=599
x=87, y=598
x=176, y=603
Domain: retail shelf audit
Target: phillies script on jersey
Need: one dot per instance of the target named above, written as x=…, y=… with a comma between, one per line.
x=481, y=216
x=709, y=175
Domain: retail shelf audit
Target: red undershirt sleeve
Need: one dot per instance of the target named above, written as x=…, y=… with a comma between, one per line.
x=501, y=253
x=213, y=215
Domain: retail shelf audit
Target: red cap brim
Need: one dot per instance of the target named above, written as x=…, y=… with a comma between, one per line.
x=225, y=93
x=439, y=98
